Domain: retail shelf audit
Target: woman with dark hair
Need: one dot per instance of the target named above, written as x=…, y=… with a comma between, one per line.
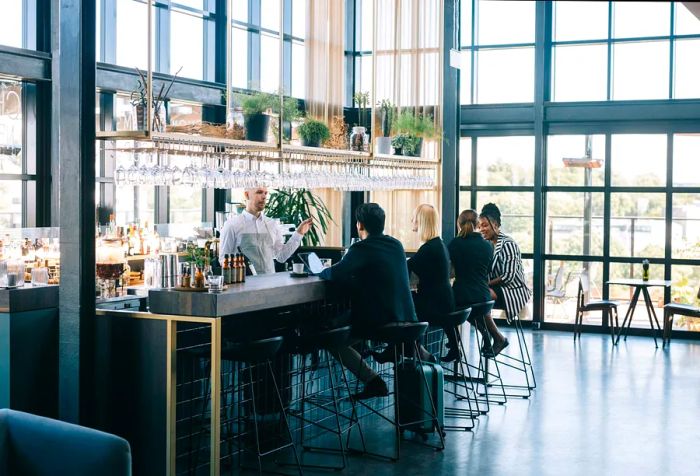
x=471, y=258
x=506, y=277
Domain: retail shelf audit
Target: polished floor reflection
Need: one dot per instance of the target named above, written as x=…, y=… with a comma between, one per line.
x=597, y=410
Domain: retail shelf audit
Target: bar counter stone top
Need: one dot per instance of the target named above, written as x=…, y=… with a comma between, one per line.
x=28, y=298
x=257, y=293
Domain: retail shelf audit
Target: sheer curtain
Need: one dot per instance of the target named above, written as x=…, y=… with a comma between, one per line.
x=408, y=71
x=325, y=60
x=325, y=85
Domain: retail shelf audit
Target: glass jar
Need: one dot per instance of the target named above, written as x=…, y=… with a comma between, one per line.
x=357, y=139
x=110, y=258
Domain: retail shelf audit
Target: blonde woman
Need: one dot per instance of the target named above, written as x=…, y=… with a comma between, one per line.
x=431, y=264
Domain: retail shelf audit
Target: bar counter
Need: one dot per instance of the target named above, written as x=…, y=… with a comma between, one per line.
x=257, y=293
x=29, y=349
x=137, y=355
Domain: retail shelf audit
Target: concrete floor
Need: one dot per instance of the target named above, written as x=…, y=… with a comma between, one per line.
x=597, y=410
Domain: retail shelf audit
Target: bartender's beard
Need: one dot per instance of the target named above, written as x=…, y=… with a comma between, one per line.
x=256, y=207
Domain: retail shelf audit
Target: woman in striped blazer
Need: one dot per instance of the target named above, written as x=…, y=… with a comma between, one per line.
x=506, y=278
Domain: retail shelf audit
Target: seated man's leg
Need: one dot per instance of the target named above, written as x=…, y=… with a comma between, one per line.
x=352, y=360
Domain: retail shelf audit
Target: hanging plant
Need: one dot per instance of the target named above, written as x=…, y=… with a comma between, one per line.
x=295, y=206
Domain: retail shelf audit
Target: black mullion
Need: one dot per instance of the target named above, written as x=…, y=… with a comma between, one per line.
x=610, y=58
x=162, y=41
x=572, y=258
x=540, y=94
x=505, y=188
x=254, y=45
x=472, y=185
x=43, y=25
x=108, y=30
x=606, y=217
x=286, y=48
x=107, y=159
x=668, y=252
x=671, y=58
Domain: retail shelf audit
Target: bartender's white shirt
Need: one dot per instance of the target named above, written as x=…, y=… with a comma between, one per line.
x=246, y=222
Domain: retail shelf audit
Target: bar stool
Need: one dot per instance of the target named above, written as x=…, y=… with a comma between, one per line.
x=245, y=357
x=309, y=344
x=484, y=376
x=398, y=335
x=461, y=375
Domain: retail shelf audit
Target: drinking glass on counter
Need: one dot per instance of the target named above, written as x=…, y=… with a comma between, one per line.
x=40, y=276
x=216, y=283
x=3, y=273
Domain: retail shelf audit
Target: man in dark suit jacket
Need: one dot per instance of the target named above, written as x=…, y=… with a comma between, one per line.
x=375, y=273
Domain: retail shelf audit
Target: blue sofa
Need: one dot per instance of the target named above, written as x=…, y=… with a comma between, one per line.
x=37, y=446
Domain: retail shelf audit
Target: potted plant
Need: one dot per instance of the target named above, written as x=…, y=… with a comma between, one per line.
x=255, y=119
x=359, y=138
x=387, y=115
x=415, y=127
x=290, y=113
x=295, y=206
x=139, y=99
x=313, y=133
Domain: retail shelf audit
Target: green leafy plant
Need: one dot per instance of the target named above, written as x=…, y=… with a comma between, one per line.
x=361, y=98
x=196, y=256
x=417, y=125
x=257, y=102
x=295, y=206
x=313, y=131
x=290, y=109
x=406, y=143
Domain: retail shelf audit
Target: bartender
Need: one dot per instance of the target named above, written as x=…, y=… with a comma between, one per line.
x=259, y=237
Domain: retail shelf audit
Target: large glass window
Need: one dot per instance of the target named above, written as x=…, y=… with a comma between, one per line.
x=505, y=75
x=132, y=34
x=576, y=160
x=641, y=19
x=638, y=160
x=187, y=45
x=686, y=22
x=640, y=70
x=639, y=39
x=686, y=282
x=270, y=67
x=685, y=232
x=574, y=223
x=11, y=31
x=503, y=54
x=505, y=22
x=687, y=69
x=637, y=224
x=561, y=290
x=239, y=60
x=505, y=160
x=12, y=157
x=580, y=72
x=686, y=151
x=580, y=21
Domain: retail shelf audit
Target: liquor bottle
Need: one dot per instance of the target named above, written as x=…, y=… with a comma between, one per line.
x=241, y=269
x=645, y=270
x=237, y=268
x=227, y=269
